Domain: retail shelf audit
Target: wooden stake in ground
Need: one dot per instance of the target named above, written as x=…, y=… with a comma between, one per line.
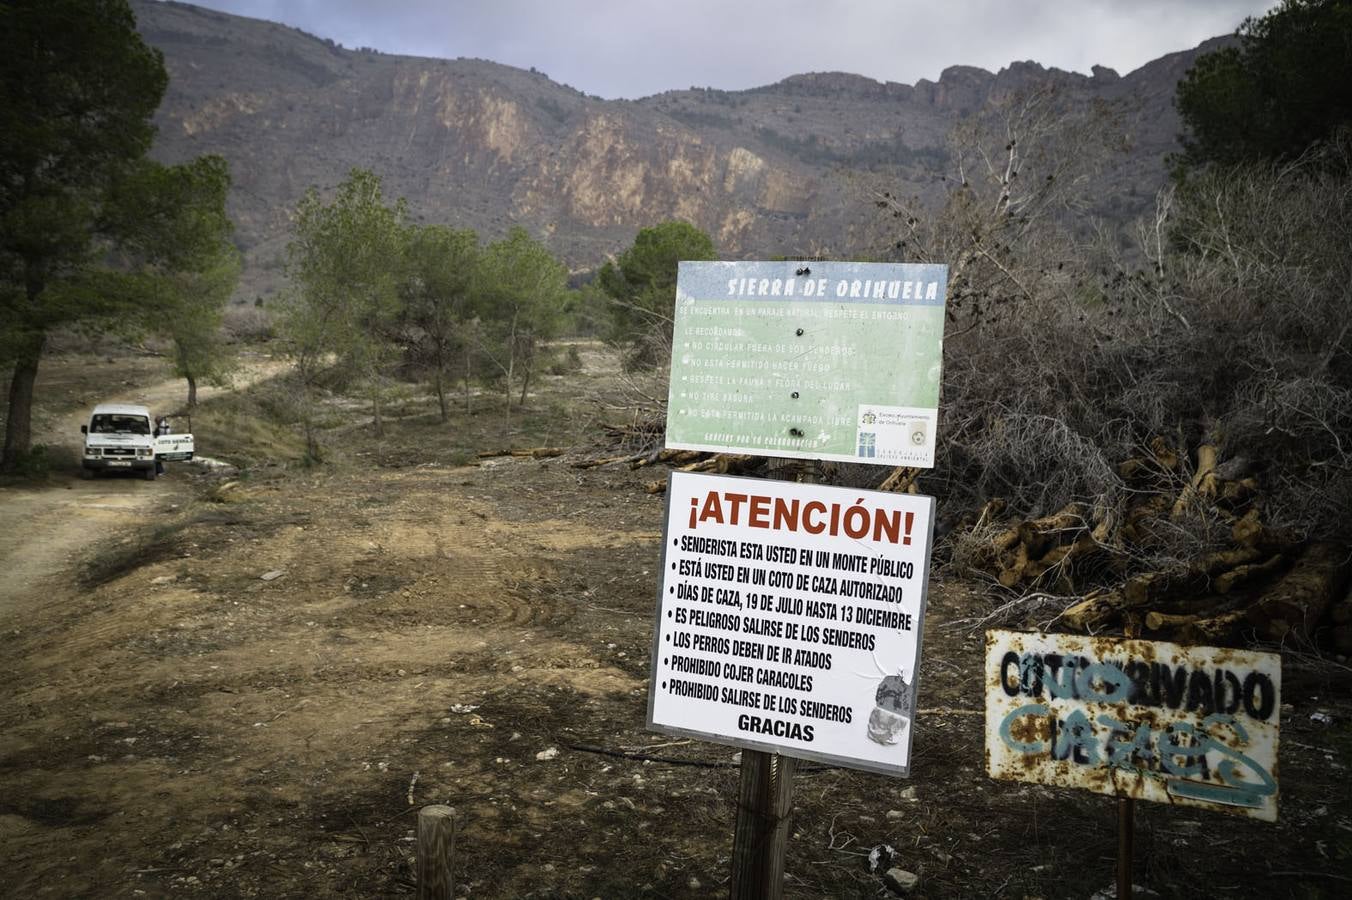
x=1126, y=846
x=436, y=848
x=763, y=803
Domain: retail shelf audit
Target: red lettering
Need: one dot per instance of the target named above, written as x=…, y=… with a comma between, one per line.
x=809, y=509
x=887, y=525
x=856, y=522
x=713, y=510
x=760, y=512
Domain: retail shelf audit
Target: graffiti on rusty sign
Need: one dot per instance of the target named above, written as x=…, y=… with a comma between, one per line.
x=1194, y=726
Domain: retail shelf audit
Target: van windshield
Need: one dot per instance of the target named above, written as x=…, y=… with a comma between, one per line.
x=116, y=423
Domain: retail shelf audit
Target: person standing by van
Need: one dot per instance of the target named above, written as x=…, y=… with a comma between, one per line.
x=162, y=428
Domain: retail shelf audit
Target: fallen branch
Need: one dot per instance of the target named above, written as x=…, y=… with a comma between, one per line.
x=901, y=480
x=1097, y=611
x=665, y=456
x=603, y=461
x=1227, y=581
x=1212, y=630
x=725, y=464
x=532, y=452
x=1203, y=483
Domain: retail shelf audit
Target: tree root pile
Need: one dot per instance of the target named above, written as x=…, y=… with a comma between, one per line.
x=1141, y=570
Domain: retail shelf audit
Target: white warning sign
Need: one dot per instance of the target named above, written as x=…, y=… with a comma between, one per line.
x=790, y=618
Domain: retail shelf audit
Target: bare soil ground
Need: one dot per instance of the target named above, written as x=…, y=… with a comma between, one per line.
x=172, y=724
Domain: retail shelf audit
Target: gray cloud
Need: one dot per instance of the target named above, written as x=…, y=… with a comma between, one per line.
x=633, y=48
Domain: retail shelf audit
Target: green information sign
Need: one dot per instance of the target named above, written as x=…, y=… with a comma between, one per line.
x=833, y=361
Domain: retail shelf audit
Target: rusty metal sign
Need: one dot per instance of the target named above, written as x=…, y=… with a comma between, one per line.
x=1194, y=726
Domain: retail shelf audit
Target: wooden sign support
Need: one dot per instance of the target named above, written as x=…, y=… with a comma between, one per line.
x=1126, y=828
x=763, y=805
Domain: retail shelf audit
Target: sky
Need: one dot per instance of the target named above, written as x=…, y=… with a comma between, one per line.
x=635, y=48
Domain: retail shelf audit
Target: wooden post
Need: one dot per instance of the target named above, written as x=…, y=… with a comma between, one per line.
x=436, y=848
x=1126, y=826
x=763, y=805
x=766, y=793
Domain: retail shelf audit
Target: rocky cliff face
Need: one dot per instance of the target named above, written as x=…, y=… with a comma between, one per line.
x=477, y=144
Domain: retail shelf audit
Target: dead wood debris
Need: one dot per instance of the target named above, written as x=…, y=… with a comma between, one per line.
x=682, y=460
x=524, y=453
x=1265, y=585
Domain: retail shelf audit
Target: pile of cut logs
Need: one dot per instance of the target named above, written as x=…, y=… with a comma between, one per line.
x=1263, y=584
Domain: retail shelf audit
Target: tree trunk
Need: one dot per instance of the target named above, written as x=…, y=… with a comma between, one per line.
x=525, y=383
x=307, y=419
x=19, y=423
x=469, y=408
x=375, y=412
x=511, y=367
x=192, y=392
x=441, y=395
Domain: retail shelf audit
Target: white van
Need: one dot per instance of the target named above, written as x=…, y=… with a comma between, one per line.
x=121, y=436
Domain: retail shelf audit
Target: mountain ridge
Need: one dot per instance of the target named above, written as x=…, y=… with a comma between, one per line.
x=766, y=171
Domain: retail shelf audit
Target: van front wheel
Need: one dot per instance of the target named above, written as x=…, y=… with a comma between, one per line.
x=150, y=474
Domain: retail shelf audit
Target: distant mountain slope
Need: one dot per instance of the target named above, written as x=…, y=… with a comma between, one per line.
x=483, y=145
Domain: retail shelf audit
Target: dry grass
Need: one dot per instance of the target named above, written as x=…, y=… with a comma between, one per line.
x=251, y=428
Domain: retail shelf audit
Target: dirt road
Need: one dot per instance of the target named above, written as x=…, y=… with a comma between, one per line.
x=44, y=530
